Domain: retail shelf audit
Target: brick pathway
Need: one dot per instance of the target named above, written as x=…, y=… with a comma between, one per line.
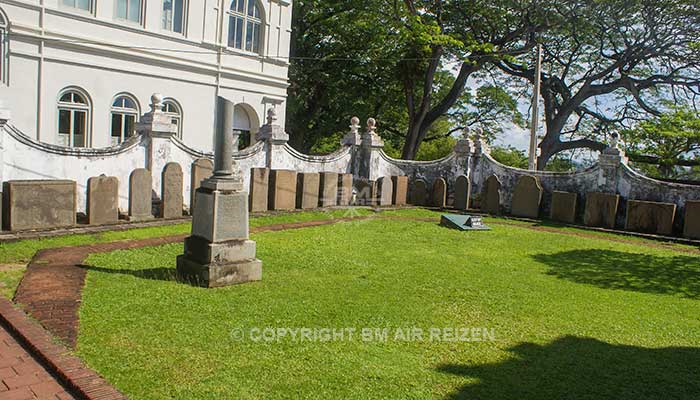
x=24, y=377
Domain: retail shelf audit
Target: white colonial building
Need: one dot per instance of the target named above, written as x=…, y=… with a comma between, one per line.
x=80, y=73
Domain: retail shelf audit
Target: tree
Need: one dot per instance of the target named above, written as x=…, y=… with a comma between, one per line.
x=391, y=60
x=668, y=141
x=611, y=62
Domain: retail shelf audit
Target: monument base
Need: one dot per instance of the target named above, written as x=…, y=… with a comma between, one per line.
x=216, y=274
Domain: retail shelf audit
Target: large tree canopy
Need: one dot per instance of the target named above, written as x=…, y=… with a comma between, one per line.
x=612, y=62
x=407, y=63
x=392, y=60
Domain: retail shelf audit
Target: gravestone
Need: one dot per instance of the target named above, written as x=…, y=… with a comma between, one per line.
x=419, y=193
x=219, y=252
x=307, y=190
x=601, y=210
x=400, y=184
x=691, y=228
x=259, y=189
x=650, y=217
x=491, y=196
x=527, y=196
x=463, y=189
x=463, y=222
x=201, y=169
x=439, y=197
x=282, y=190
x=564, y=207
x=344, y=189
x=328, y=190
x=385, y=190
x=140, y=196
x=38, y=204
x=171, y=191
x=103, y=200
x=366, y=193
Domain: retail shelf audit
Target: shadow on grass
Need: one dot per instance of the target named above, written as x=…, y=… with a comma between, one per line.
x=159, y=274
x=676, y=275
x=583, y=368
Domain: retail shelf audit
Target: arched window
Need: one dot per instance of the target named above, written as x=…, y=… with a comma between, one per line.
x=245, y=25
x=173, y=18
x=124, y=115
x=73, y=119
x=129, y=10
x=242, y=126
x=173, y=110
x=4, y=41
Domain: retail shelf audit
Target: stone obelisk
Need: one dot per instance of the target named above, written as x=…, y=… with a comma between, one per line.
x=219, y=251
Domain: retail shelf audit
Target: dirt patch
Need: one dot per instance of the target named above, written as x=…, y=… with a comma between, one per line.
x=12, y=267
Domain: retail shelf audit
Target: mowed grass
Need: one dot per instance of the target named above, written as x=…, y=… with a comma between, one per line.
x=573, y=317
x=22, y=251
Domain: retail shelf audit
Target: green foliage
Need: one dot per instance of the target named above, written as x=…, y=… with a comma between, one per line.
x=436, y=149
x=510, y=156
x=536, y=289
x=513, y=157
x=668, y=140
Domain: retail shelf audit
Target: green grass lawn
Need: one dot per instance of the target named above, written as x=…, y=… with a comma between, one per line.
x=22, y=251
x=573, y=317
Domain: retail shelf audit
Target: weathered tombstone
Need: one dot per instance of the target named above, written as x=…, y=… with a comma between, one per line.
x=563, y=207
x=201, y=169
x=692, y=220
x=366, y=193
x=400, y=184
x=103, y=200
x=419, y=193
x=601, y=209
x=307, y=190
x=140, y=197
x=219, y=252
x=344, y=189
x=259, y=189
x=282, y=190
x=328, y=190
x=39, y=204
x=491, y=196
x=171, y=191
x=527, y=196
x=439, y=197
x=650, y=217
x=463, y=190
x=385, y=191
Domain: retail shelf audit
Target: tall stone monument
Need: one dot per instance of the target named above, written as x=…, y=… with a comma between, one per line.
x=219, y=252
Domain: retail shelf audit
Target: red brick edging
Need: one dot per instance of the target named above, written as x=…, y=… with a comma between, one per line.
x=70, y=370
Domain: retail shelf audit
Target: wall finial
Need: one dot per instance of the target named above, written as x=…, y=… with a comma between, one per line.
x=271, y=116
x=354, y=125
x=157, y=102
x=371, y=125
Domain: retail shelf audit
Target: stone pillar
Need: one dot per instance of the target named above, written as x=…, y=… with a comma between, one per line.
x=275, y=139
x=219, y=252
x=157, y=128
x=372, y=144
x=610, y=161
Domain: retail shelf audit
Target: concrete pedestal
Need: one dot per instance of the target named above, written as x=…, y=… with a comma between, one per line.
x=219, y=252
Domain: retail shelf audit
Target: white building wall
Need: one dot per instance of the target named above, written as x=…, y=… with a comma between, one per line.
x=52, y=47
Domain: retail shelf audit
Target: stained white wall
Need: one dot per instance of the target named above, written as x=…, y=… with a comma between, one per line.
x=52, y=47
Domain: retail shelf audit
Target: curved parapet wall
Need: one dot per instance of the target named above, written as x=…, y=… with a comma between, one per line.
x=635, y=186
x=288, y=158
x=582, y=182
x=448, y=168
x=26, y=159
